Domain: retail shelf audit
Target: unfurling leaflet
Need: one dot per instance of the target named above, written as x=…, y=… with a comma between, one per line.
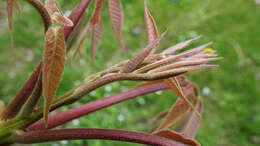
x=53, y=61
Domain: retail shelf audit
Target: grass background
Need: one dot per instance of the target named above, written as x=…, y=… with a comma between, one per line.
x=232, y=108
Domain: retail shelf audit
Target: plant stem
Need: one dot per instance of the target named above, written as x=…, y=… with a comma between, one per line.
x=75, y=16
x=104, y=134
x=17, y=102
x=93, y=106
x=76, y=93
x=7, y=128
x=42, y=11
x=85, y=89
x=28, y=107
x=12, y=109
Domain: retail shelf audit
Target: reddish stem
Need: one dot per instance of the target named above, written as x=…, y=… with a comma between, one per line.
x=93, y=106
x=31, y=102
x=43, y=12
x=15, y=105
x=76, y=15
x=104, y=134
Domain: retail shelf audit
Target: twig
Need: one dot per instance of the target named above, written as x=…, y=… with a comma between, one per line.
x=28, y=107
x=42, y=11
x=104, y=134
x=93, y=106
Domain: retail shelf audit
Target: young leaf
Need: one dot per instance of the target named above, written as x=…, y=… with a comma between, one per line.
x=62, y=19
x=10, y=9
x=171, y=59
x=96, y=17
x=56, y=13
x=53, y=64
x=75, y=16
x=179, y=108
x=86, y=31
x=150, y=27
x=71, y=40
x=116, y=16
x=177, y=137
x=94, y=25
x=140, y=56
x=96, y=35
x=96, y=21
x=190, y=123
x=184, y=62
x=179, y=46
x=52, y=7
x=174, y=85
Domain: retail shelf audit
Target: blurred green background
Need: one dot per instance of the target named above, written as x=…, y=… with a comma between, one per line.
x=231, y=93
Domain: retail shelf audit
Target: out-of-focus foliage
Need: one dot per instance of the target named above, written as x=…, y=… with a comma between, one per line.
x=231, y=93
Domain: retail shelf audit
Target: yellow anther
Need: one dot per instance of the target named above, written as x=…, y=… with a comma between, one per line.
x=208, y=49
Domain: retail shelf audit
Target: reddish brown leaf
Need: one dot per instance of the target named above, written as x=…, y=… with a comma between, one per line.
x=190, y=124
x=116, y=16
x=180, y=46
x=56, y=13
x=161, y=115
x=96, y=22
x=75, y=16
x=96, y=17
x=173, y=58
x=180, y=107
x=53, y=61
x=174, y=85
x=177, y=137
x=10, y=9
x=158, y=118
x=96, y=35
x=184, y=62
x=75, y=33
x=52, y=7
x=86, y=31
x=62, y=19
x=150, y=27
x=140, y=56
